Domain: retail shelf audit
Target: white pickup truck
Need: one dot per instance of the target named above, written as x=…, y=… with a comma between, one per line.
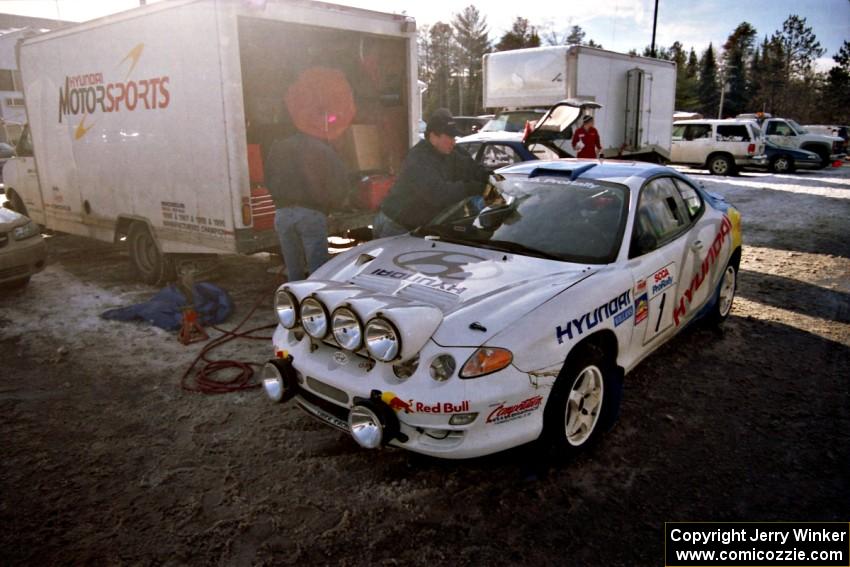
x=787, y=133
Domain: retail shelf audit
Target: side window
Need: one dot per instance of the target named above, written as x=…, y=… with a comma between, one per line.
x=693, y=202
x=661, y=215
x=471, y=148
x=678, y=133
x=498, y=155
x=732, y=133
x=698, y=131
x=779, y=129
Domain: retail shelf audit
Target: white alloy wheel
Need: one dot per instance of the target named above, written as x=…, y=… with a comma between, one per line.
x=583, y=405
x=727, y=292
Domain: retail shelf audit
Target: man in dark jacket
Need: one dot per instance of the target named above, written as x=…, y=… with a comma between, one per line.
x=434, y=175
x=305, y=177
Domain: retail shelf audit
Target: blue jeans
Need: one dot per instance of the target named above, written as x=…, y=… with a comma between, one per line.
x=384, y=226
x=303, y=235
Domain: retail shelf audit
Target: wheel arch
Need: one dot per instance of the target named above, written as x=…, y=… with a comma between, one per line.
x=604, y=340
x=717, y=153
x=125, y=222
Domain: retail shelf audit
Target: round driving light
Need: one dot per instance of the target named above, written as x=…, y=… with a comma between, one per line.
x=442, y=367
x=287, y=308
x=346, y=329
x=277, y=379
x=314, y=319
x=365, y=427
x=382, y=340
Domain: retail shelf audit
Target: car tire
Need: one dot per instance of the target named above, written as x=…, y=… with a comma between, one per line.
x=824, y=156
x=721, y=165
x=782, y=164
x=150, y=265
x=724, y=296
x=584, y=403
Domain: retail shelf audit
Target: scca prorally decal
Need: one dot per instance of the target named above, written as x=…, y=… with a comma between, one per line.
x=699, y=277
x=89, y=93
x=661, y=280
x=419, y=279
x=503, y=413
x=593, y=318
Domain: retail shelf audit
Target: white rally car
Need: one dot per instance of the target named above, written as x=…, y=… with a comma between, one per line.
x=507, y=319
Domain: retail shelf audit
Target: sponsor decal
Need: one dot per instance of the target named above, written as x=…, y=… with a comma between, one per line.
x=434, y=283
x=592, y=318
x=412, y=406
x=340, y=358
x=623, y=316
x=699, y=277
x=175, y=215
x=503, y=413
x=446, y=265
x=661, y=280
x=89, y=93
x=640, y=287
x=641, y=309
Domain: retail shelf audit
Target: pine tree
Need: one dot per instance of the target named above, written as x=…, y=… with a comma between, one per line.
x=471, y=34
x=737, y=52
x=707, y=90
x=521, y=35
x=686, y=85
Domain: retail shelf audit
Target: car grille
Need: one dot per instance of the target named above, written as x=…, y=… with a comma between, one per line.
x=322, y=409
x=327, y=390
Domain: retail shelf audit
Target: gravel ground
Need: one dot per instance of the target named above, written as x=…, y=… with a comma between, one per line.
x=107, y=461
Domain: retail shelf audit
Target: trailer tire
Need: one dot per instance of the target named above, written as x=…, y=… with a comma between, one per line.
x=149, y=263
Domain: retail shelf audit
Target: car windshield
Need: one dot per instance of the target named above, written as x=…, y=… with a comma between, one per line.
x=797, y=128
x=554, y=218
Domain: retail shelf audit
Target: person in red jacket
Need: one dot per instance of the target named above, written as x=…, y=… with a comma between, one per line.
x=586, y=140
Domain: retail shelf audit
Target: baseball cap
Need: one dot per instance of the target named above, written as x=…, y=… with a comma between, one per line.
x=442, y=122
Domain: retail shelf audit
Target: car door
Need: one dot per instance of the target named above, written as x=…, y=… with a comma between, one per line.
x=661, y=257
x=780, y=133
x=699, y=141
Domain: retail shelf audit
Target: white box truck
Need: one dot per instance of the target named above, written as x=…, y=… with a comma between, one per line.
x=637, y=94
x=141, y=124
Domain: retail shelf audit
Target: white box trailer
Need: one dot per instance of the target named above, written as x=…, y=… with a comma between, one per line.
x=637, y=94
x=142, y=122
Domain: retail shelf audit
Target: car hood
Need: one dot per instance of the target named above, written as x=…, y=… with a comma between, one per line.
x=473, y=293
x=9, y=219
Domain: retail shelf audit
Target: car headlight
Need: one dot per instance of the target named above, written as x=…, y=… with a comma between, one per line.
x=347, y=329
x=486, y=360
x=382, y=339
x=26, y=231
x=314, y=318
x=286, y=307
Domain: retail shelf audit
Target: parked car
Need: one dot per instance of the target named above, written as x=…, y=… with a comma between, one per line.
x=22, y=249
x=547, y=140
x=721, y=146
x=509, y=319
x=512, y=120
x=781, y=159
x=787, y=133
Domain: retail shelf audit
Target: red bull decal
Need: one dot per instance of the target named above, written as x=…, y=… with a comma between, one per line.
x=89, y=93
x=503, y=413
x=396, y=403
x=699, y=277
x=412, y=406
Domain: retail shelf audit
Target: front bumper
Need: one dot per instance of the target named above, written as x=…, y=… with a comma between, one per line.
x=22, y=258
x=509, y=403
x=758, y=161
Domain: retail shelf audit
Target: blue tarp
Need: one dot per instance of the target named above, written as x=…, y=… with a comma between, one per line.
x=164, y=309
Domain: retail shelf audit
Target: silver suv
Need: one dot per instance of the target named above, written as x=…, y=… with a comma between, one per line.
x=721, y=146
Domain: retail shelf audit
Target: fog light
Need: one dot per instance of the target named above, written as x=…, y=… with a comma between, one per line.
x=442, y=367
x=462, y=418
x=278, y=378
x=366, y=427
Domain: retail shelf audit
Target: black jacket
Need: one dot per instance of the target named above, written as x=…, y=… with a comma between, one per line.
x=429, y=182
x=302, y=171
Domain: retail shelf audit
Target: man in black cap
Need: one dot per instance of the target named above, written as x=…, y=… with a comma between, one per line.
x=433, y=176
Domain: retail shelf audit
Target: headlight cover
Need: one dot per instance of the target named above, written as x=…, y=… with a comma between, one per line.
x=314, y=318
x=443, y=367
x=26, y=231
x=286, y=307
x=486, y=360
x=347, y=329
x=382, y=339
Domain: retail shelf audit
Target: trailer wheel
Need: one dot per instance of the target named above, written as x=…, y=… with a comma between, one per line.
x=151, y=265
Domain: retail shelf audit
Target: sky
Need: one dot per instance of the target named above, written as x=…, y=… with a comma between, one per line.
x=619, y=25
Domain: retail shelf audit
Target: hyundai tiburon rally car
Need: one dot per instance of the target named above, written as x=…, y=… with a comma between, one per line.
x=507, y=318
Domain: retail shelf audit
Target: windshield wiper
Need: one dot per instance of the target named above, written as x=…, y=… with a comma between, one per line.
x=436, y=232
x=516, y=247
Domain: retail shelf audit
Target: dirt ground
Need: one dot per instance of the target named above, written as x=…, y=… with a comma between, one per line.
x=107, y=461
